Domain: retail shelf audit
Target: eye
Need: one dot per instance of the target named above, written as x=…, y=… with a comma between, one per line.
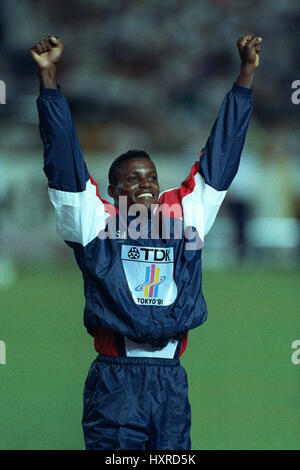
x=132, y=178
x=153, y=178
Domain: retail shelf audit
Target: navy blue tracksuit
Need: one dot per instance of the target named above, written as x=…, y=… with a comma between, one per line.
x=142, y=295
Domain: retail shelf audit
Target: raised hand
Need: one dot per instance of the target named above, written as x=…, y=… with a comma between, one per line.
x=47, y=52
x=249, y=48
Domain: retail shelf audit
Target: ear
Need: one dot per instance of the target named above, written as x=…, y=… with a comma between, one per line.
x=111, y=191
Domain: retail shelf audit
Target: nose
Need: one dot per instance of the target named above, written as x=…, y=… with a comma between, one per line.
x=144, y=183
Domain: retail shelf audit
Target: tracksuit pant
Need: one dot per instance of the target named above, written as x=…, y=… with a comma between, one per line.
x=136, y=403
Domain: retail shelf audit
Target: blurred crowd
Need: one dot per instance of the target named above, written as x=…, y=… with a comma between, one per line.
x=148, y=71
x=149, y=74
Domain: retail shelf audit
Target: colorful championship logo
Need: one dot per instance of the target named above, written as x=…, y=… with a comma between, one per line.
x=154, y=266
x=152, y=281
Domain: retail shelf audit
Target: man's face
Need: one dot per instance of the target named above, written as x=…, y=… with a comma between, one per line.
x=137, y=180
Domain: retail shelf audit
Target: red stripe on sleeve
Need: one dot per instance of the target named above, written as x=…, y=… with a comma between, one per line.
x=108, y=207
x=173, y=198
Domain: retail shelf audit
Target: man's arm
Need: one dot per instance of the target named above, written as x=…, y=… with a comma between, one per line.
x=203, y=191
x=80, y=214
x=220, y=158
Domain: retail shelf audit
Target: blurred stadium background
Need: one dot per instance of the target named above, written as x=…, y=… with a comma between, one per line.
x=152, y=75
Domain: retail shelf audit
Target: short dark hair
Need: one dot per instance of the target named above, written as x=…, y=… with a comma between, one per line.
x=112, y=174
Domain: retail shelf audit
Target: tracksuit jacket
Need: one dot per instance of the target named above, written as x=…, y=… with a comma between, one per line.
x=142, y=294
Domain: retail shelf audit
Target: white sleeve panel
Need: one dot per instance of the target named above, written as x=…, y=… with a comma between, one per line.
x=79, y=216
x=201, y=206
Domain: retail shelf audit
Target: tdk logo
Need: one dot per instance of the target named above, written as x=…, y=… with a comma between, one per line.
x=158, y=255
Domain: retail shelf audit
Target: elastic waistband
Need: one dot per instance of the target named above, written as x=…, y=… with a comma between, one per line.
x=147, y=361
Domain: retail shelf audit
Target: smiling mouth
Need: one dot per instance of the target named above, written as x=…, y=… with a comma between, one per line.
x=144, y=195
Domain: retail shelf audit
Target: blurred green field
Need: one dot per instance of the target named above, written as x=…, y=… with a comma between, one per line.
x=244, y=389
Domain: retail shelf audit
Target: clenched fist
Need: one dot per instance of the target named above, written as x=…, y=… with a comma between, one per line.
x=47, y=52
x=249, y=48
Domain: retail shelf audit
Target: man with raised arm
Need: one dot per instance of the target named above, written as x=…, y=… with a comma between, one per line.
x=143, y=290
